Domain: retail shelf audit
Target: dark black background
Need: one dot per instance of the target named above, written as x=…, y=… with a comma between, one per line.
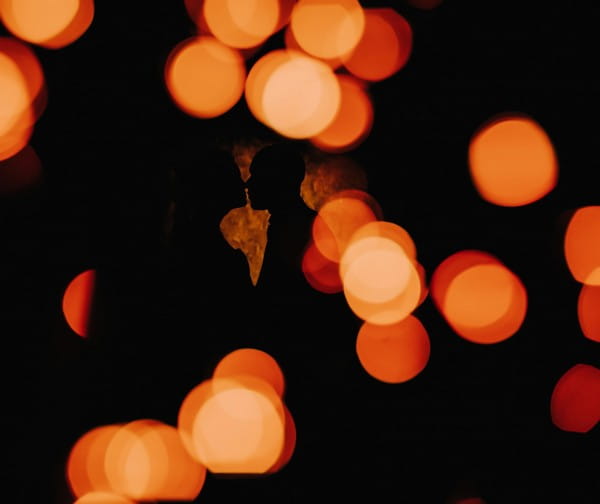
x=475, y=421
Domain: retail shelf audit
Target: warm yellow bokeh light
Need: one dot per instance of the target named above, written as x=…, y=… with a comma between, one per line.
x=300, y=97
x=393, y=353
x=103, y=498
x=582, y=245
x=337, y=220
x=353, y=122
x=588, y=311
x=384, y=48
x=49, y=23
x=375, y=269
x=512, y=161
x=241, y=23
x=252, y=362
x=85, y=464
x=240, y=427
x=327, y=28
x=480, y=298
x=204, y=77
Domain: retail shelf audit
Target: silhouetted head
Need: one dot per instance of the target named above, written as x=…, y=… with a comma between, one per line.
x=276, y=174
x=210, y=187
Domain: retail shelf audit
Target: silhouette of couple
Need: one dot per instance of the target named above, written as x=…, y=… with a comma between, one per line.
x=213, y=278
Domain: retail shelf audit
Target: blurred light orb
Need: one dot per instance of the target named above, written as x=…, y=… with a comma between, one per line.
x=327, y=28
x=103, y=498
x=393, y=353
x=320, y=272
x=78, y=300
x=575, y=401
x=588, y=311
x=480, y=298
x=512, y=161
x=301, y=97
x=384, y=48
x=582, y=245
x=252, y=362
x=52, y=24
x=204, y=77
x=242, y=23
x=353, y=121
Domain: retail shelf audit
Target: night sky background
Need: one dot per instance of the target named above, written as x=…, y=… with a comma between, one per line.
x=475, y=423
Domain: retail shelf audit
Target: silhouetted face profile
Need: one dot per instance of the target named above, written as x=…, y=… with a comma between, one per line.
x=276, y=173
x=208, y=188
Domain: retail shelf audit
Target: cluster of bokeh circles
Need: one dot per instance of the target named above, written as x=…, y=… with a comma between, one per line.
x=314, y=87
x=373, y=262
x=23, y=91
x=236, y=422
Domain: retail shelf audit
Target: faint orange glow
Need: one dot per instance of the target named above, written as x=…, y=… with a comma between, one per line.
x=77, y=301
x=242, y=23
x=512, y=161
x=327, y=28
x=575, y=401
x=480, y=298
x=337, y=220
x=588, y=311
x=384, y=48
x=103, y=498
x=49, y=23
x=253, y=362
x=145, y=460
x=428, y=5
x=239, y=426
x=375, y=269
x=353, y=122
x=300, y=97
x=85, y=465
x=582, y=245
x=204, y=77
x=328, y=175
x=390, y=311
x=393, y=353
x=19, y=172
x=290, y=42
x=321, y=273
x=289, y=443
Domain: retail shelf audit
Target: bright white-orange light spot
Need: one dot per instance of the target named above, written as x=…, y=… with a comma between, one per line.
x=204, y=77
x=375, y=269
x=146, y=460
x=321, y=273
x=85, y=465
x=300, y=97
x=252, y=362
x=20, y=172
x=582, y=245
x=327, y=28
x=384, y=48
x=48, y=23
x=481, y=299
x=393, y=353
x=103, y=498
x=337, y=220
x=575, y=401
x=353, y=122
x=588, y=311
x=242, y=23
x=77, y=302
x=239, y=427
x=391, y=231
x=512, y=162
